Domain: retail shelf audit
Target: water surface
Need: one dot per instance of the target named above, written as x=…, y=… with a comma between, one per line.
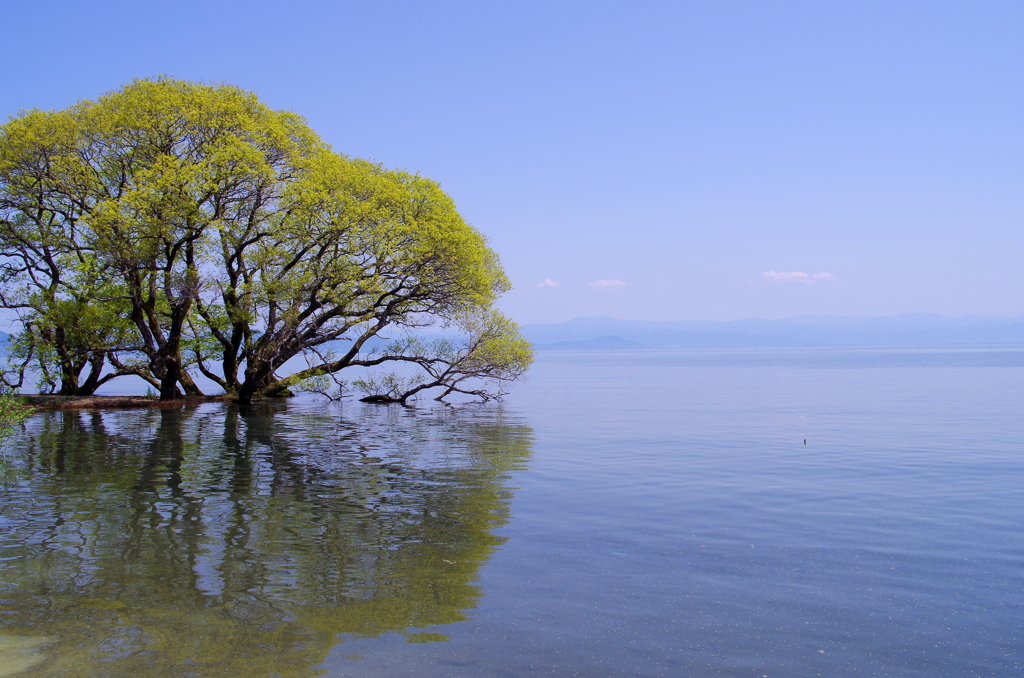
x=637, y=513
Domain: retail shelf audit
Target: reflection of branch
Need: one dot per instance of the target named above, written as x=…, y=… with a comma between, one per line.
x=177, y=545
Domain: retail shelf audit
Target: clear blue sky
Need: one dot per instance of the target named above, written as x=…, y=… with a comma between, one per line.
x=705, y=160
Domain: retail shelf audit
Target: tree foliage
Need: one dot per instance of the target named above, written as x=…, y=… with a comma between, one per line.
x=170, y=228
x=12, y=413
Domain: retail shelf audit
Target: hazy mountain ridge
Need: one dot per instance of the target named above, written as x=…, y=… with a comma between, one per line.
x=602, y=333
x=904, y=329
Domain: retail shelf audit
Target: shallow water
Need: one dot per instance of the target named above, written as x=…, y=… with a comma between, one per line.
x=637, y=513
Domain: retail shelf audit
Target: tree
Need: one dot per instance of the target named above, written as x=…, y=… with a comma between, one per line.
x=231, y=239
x=46, y=271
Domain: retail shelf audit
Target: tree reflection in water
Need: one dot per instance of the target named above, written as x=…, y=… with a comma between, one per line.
x=208, y=542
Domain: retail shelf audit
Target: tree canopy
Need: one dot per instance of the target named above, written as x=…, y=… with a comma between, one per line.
x=171, y=228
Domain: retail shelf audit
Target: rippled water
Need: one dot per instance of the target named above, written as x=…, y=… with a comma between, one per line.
x=643, y=513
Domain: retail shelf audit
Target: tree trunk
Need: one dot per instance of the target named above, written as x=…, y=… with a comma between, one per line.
x=246, y=392
x=71, y=375
x=169, y=385
x=189, y=386
x=92, y=382
x=167, y=368
x=69, y=380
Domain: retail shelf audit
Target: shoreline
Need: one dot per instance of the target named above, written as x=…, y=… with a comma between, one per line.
x=98, y=402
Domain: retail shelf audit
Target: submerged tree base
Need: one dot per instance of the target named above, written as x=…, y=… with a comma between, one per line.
x=381, y=399
x=54, y=402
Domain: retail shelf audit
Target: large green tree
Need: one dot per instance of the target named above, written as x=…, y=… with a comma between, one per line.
x=204, y=230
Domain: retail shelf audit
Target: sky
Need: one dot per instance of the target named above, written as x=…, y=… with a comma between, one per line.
x=653, y=160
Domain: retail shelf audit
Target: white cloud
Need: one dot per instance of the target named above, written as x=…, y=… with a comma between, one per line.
x=796, y=276
x=548, y=282
x=608, y=284
x=787, y=276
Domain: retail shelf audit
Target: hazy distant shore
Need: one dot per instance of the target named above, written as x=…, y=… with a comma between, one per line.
x=910, y=329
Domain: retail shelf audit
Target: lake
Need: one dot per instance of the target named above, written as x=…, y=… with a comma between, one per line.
x=634, y=513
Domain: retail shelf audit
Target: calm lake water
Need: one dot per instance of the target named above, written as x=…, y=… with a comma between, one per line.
x=637, y=513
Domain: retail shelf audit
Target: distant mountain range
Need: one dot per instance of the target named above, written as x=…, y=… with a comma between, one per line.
x=898, y=330
x=908, y=329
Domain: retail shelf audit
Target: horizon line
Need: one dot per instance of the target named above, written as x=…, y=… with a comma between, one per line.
x=792, y=317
